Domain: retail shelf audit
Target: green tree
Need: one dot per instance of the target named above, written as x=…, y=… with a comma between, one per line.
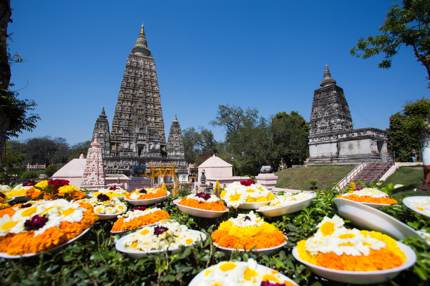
x=406, y=127
x=232, y=118
x=78, y=149
x=290, y=138
x=13, y=163
x=45, y=150
x=407, y=25
x=198, y=145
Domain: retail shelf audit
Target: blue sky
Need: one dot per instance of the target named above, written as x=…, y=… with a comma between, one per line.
x=263, y=54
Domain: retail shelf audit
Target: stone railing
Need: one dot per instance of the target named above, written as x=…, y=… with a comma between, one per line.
x=348, y=178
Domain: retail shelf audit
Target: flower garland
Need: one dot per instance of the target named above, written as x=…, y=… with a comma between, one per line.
x=336, y=247
x=137, y=218
x=38, y=226
x=248, y=232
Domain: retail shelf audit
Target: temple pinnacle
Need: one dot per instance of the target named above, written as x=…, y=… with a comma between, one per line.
x=327, y=79
x=103, y=111
x=141, y=40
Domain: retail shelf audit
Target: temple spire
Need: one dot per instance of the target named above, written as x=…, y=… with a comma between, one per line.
x=327, y=80
x=103, y=111
x=141, y=39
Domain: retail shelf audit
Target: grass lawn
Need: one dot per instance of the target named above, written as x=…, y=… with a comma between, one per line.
x=407, y=176
x=300, y=178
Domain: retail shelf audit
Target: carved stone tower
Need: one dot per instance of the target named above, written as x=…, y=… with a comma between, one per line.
x=330, y=111
x=94, y=175
x=101, y=133
x=331, y=138
x=175, y=146
x=138, y=127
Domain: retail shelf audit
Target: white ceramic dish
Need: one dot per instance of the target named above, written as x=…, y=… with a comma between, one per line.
x=199, y=280
x=287, y=209
x=370, y=218
x=8, y=256
x=148, y=201
x=252, y=206
x=361, y=277
x=199, y=212
x=119, y=245
x=108, y=216
x=409, y=203
x=264, y=251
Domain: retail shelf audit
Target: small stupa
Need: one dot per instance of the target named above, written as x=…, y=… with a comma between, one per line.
x=94, y=175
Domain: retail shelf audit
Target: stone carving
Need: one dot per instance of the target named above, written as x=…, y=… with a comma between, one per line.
x=137, y=136
x=332, y=138
x=94, y=175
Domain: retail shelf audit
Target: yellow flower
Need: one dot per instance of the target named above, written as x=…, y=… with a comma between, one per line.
x=42, y=184
x=67, y=189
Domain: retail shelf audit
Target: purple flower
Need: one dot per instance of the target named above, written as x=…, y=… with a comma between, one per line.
x=268, y=283
x=113, y=188
x=29, y=183
x=204, y=196
x=103, y=197
x=27, y=205
x=143, y=191
x=247, y=218
x=159, y=230
x=35, y=222
x=139, y=208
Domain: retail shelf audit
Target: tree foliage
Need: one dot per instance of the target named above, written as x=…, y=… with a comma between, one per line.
x=290, y=138
x=407, y=25
x=406, y=128
x=252, y=141
x=198, y=145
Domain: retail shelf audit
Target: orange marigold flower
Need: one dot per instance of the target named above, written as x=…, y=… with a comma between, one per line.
x=213, y=206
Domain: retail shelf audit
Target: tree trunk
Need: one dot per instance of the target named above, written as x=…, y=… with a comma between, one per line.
x=5, y=14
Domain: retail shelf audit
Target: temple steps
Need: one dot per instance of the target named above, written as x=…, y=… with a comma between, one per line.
x=372, y=172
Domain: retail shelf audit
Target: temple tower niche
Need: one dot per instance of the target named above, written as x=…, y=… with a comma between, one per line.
x=330, y=110
x=138, y=127
x=101, y=133
x=175, y=145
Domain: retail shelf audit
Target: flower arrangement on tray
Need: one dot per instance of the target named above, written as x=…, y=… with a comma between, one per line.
x=369, y=195
x=38, y=226
x=287, y=199
x=246, y=191
x=111, y=192
x=164, y=236
x=147, y=193
x=248, y=232
x=203, y=201
x=105, y=204
x=138, y=217
x=336, y=247
x=248, y=273
x=419, y=204
x=55, y=189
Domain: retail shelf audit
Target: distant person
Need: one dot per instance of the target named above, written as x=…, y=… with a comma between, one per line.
x=414, y=155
